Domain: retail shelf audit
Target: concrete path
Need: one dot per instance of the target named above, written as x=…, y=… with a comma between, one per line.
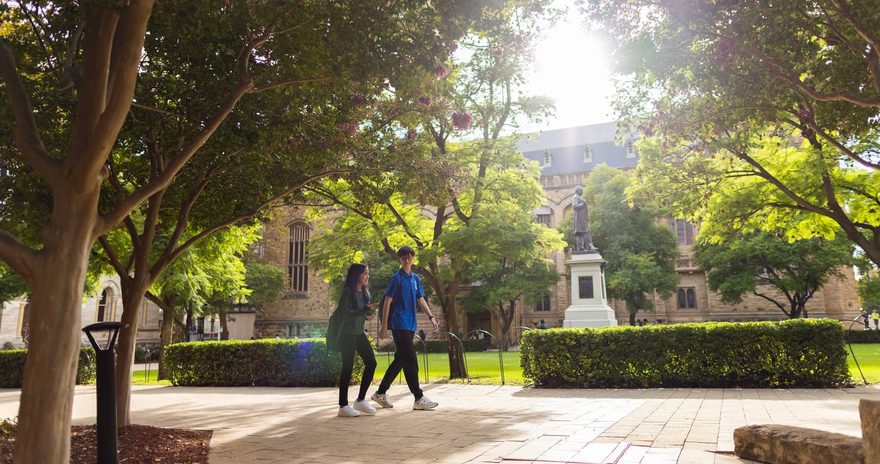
x=478, y=423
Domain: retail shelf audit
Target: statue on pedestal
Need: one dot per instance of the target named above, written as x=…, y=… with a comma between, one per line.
x=580, y=215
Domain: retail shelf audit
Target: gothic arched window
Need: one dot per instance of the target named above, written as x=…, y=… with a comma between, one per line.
x=297, y=257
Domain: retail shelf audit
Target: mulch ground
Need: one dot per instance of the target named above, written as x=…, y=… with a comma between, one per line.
x=138, y=444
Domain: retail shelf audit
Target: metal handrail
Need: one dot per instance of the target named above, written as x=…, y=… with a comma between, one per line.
x=500, y=356
x=463, y=355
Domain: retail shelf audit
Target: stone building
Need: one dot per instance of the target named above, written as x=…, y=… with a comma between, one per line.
x=566, y=156
x=106, y=305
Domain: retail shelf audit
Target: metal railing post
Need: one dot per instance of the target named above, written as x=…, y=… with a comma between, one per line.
x=463, y=355
x=500, y=356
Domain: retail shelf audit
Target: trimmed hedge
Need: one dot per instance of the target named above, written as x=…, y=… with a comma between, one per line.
x=441, y=346
x=863, y=336
x=264, y=362
x=793, y=353
x=12, y=367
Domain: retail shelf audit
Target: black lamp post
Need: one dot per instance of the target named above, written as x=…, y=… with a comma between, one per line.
x=103, y=338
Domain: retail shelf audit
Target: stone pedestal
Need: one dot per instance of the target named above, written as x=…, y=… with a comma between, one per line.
x=589, y=303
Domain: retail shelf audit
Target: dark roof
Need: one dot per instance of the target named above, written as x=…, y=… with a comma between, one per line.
x=567, y=147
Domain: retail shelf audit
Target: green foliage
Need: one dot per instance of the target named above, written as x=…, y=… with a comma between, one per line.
x=640, y=252
x=11, y=285
x=793, y=353
x=742, y=84
x=863, y=336
x=869, y=292
x=12, y=367
x=756, y=262
x=266, y=362
x=265, y=281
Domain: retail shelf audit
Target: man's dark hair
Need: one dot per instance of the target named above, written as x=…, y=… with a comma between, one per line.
x=405, y=250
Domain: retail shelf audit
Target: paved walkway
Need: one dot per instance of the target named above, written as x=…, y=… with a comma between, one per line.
x=478, y=423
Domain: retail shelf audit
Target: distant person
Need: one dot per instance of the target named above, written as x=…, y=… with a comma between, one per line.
x=542, y=324
x=404, y=292
x=866, y=318
x=355, y=308
x=875, y=316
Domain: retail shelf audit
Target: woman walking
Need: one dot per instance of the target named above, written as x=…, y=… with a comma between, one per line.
x=354, y=308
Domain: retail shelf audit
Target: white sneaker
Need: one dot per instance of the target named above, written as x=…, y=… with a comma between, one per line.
x=424, y=403
x=382, y=400
x=348, y=411
x=364, y=407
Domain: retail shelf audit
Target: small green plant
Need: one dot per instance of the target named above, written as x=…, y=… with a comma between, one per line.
x=7, y=427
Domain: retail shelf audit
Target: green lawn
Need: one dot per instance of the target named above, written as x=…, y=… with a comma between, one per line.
x=868, y=355
x=483, y=367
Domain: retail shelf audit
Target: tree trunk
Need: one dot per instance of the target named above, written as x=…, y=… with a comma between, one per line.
x=632, y=318
x=457, y=369
x=132, y=299
x=59, y=273
x=224, y=327
x=165, y=337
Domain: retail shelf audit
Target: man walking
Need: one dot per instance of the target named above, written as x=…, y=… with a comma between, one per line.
x=404, y=292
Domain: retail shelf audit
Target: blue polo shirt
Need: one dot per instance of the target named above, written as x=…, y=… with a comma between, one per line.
x=405, y=291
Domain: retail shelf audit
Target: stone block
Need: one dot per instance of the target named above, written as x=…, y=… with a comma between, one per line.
x=783, y=444
x=869, y=410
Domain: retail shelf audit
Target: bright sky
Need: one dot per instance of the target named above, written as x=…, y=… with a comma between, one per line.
x=571, y=66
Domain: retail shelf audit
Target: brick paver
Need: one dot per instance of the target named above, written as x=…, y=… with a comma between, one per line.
x=479, y=423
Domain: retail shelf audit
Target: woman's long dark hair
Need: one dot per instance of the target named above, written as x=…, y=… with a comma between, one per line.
x=354, y=273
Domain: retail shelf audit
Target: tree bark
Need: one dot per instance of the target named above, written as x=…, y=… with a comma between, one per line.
x=45, y=407
x=457, y=369
x=165, y=336
x=133, y=291
x=224, y=327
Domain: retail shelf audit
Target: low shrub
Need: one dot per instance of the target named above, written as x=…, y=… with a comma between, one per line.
x=793, y=353
x=863, y=336
x=12, y=367
x=264, y=362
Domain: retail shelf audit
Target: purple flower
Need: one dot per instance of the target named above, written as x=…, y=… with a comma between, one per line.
x=441, y=71
x=452, y=47
x=462, y=120
x=411, y=134
x=359, y=99
x=425, y=100
x=349, y=127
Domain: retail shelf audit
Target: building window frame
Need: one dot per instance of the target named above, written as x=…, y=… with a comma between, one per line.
x=105, y=306
x=548, y=159
x=297, y=258
x=684, y=230
x=588, y=154
x=543, y=303
x=686, y=298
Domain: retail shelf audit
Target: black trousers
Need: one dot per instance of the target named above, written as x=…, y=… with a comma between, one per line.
x=348, y=344
x=405, y=359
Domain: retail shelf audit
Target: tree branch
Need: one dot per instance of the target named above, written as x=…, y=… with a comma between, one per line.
x=113, y=87
x=112, y=257
x=403, y=224
x=783, y=74
x=288, y=83
x=245, y=84
x=26, y=135
x=18, y=257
